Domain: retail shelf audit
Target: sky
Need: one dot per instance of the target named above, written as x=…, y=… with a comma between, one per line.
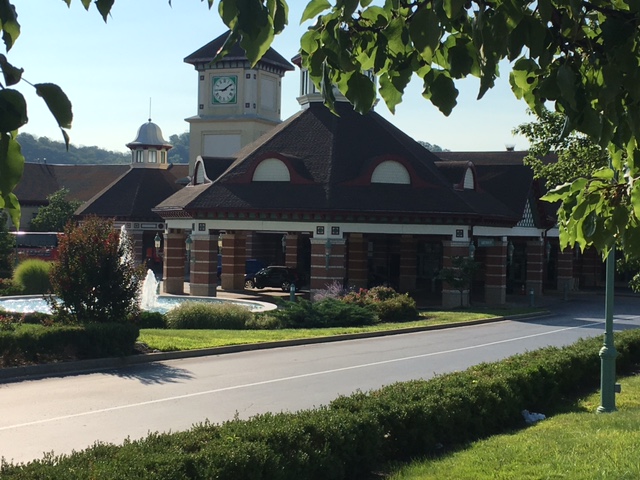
x=119, y=73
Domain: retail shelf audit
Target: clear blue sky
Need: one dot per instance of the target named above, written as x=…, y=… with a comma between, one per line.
x=110, y=71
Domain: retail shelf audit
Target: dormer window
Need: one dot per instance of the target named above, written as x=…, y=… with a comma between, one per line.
x=469, y=180
x=271, y=170
x=199, y=174
x=391, y=172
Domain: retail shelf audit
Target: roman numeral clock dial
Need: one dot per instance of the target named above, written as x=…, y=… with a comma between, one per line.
x=224, y=89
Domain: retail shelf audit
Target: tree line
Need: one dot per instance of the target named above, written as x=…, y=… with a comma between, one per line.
x=44, y=150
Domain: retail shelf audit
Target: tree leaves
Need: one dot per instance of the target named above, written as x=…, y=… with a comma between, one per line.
x=59, y=105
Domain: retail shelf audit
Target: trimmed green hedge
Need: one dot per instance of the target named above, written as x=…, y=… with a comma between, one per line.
x=358, y=434
x=36, y=343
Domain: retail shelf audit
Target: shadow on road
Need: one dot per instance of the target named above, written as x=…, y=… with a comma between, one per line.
x=152, y=373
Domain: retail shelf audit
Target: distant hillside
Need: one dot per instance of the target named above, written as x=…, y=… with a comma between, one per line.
x=45, y=150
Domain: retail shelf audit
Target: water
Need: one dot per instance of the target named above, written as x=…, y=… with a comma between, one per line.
x=34, y=303
x=149, y=292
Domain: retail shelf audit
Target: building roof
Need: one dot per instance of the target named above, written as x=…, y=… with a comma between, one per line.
x=206, y=54
x=83, y=181
x=149, y=135
x=331, y=159
x=134, y=194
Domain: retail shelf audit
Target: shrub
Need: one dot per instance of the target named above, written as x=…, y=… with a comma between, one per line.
x=9, y=287
x=389, y=305
x=325, y=313
x=263, y=321
x=32, y=276
x=202, y=315
x=147, y=319
x=37, y=343
x=95, y=277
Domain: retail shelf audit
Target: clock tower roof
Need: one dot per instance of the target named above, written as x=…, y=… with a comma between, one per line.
x=207, y=53
x=149, y=135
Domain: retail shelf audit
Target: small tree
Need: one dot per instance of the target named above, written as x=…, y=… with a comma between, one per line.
x=90, y=278
x=7, y=247
x=54, y=216
x=460, y=274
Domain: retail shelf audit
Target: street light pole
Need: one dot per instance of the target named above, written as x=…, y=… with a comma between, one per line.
x=608, y=351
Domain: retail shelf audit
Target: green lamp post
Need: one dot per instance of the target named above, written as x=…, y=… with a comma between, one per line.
x=608, y=386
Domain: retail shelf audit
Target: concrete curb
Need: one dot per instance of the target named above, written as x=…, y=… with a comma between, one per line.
x=14, y=374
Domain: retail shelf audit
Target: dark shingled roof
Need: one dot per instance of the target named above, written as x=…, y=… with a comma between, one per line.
x=83, y=181
x=331, y=159
x=505, y=177
x=207, y=53
x=134, y=194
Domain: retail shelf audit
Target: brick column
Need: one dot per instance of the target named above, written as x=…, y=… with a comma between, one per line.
x=327, y=267
x=204, y=265
x=450, y=296
x=535, y=266
x=358, y=270
x=495, y=278
x=408, y=257
x=233, y=260
x=136, y=240
x=565, y=270
x=291, y=252
x=173, y=262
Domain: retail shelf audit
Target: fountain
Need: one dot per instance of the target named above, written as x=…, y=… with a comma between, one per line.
x=149, y=292
x=149, y=300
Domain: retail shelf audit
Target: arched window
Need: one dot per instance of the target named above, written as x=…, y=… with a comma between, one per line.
x=469, y=180
x=271, y=170
x=199, y=174
x=391, y=172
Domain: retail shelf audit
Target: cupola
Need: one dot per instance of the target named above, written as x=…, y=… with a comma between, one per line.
x=149, y=149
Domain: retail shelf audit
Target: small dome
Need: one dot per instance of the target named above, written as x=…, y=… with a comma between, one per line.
x=149, y=135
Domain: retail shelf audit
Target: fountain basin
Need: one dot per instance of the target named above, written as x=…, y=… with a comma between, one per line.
x=164, y=303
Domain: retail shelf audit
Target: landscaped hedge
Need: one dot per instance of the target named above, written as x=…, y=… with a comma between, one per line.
x=35, y=343
x=355, y=435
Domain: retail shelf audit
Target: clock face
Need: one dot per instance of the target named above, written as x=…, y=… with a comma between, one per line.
x=224, y=89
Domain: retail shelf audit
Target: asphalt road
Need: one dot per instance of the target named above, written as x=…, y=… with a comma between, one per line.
x=61, y=414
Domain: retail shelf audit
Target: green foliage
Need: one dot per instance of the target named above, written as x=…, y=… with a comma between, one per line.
x=180, y=151
x=324, y=313
x=38, y=343
x=577, y=155
x=359, y=434
x=32, y=276
x=7, y=247
x=9, y=287
x=460, y=274
x=146, y=319
x=55, y=215
x=203, y=315
x=388, y=305
x=93, y=277
x=43, y=149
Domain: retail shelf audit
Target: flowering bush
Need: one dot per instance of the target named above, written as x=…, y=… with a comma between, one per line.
x=94, y=277
x=389, y=305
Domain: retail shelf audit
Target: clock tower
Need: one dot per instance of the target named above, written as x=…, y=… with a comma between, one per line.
x=237, y=103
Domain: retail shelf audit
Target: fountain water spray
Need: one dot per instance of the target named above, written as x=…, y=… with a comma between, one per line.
x=149, y=291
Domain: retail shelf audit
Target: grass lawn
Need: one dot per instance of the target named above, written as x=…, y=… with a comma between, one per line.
x=576, y=445
x=171, y=340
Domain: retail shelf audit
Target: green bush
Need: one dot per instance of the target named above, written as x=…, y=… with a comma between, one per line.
x=9, y=287
x=355, y=435
x=263, y=321
x=202, y=315
x=32, y=276
x=146, y=319
x=325, y=313
x=36, y=343
x=389, y=305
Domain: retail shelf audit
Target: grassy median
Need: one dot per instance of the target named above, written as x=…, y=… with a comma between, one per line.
x=170, y=340
x=575, y=445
